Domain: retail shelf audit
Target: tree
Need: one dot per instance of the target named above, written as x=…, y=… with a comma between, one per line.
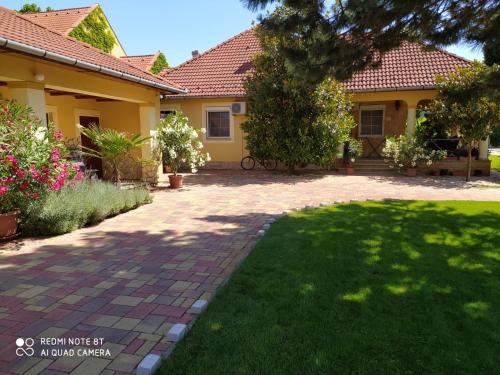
x=112, y=146
x=159, y=64
x=338, y=38
x=466, y=107
x=32, y=8
x=289, y=120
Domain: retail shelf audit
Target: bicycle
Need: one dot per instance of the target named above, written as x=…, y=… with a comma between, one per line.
x=248, y=163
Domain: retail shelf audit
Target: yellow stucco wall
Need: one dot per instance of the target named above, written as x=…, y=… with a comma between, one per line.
x=220, y=150
x=234, y=150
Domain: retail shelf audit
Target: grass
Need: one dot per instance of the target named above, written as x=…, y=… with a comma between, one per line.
x=89, y=202
x=403, y=287
x=495, y=162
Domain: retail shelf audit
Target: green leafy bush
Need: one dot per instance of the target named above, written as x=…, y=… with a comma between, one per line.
x=95, y=30
x=407, y=152
x=88, y=202
x=159, y=64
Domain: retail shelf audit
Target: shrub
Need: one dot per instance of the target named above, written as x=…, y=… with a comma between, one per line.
x=31, y=158
x=354, y=150
x=407, y=152
x=179, y=143
x=88, y=202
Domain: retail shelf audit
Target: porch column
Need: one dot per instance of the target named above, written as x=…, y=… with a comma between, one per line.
x=148, y=117
x=31, y=94
x=411, y=120
x=483, y=149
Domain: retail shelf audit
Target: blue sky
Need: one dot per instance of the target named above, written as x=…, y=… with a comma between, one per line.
x=178, y=27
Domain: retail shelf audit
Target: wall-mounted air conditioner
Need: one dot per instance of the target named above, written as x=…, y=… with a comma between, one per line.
x=239, y=108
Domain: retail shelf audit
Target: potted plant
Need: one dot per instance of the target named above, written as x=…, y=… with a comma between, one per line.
x=180, y=145
x=353, y=149
x=407, y=153
x=31, y=164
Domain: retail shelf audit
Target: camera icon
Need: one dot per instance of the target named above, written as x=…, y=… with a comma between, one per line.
x=25, y=347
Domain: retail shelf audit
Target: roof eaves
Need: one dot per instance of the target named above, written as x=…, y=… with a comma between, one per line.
x=38, y=52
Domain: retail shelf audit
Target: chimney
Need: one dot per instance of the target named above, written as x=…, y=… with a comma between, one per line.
x=195, y=53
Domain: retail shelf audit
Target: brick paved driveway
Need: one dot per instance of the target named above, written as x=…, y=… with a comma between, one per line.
x=129, y=278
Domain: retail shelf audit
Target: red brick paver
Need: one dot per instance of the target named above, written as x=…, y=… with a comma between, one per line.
x=128, y=279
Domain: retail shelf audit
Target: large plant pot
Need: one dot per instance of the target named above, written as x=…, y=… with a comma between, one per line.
x=8, y=225
x=175, y=181
x=411, y=172
x=349, y=171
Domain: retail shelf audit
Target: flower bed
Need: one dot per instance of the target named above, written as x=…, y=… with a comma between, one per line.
x=88, y=202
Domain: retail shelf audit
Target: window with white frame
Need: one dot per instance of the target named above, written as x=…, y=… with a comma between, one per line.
x=165, y=112
x=218, y=123
x=371, y=122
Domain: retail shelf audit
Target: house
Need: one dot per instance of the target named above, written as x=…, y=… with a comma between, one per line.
x=73, y=21
x=72, y=83
x=385, y=98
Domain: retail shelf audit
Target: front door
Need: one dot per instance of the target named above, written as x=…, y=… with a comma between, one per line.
x=91, y=162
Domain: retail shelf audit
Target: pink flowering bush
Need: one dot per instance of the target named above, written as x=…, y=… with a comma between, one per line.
x=31, y=158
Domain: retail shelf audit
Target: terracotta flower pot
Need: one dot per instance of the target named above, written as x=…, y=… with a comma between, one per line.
x=175, y=181
x=349, y=171
x=411, y=172
x=8, y=225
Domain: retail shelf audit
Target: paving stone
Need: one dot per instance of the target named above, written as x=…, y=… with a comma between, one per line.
x=127, y=300
x=91, y=366
x=125, y=362
x=127, y=323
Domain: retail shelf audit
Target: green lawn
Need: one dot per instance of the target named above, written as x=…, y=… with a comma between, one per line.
x=495, y=162
x=372, y=288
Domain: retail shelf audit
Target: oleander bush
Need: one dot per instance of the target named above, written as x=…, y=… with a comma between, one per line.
x=88, y=202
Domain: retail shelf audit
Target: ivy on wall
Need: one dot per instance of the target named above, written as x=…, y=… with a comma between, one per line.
x=95, y=30
x=159, y=64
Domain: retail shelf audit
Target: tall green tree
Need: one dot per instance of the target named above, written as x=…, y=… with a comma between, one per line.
x=467, y=106
x=338, y=38
x=289, y=120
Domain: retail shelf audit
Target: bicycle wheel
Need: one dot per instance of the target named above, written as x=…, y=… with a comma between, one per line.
x=248, y=163
x=270, y=165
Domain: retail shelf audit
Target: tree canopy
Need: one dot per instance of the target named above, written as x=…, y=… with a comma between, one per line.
x=338, y=38
x=466, y=105
x=32, y=8
x=288, y=120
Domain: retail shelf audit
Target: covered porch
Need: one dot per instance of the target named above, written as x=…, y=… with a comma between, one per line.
x=380, y=115
x=70, y=97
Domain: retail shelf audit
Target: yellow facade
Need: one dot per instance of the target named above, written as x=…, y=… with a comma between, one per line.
x=221, y=151
x=229, y=152
x=121, y=105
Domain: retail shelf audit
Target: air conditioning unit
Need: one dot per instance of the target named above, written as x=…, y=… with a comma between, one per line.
x=239, y=108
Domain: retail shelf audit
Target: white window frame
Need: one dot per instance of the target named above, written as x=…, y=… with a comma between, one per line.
x=218, y=108
x=372, y=108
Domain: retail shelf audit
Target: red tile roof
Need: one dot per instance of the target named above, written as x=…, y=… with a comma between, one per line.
x=143, y=62
x=62, y=20
x=220, y=71
x=408, y=66
x=18, y=33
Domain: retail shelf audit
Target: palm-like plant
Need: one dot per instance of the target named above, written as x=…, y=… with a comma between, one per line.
x=112, y=146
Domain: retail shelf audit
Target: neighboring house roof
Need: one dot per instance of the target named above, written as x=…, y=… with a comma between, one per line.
x=19, y=34
x=61, y=20
x=220, y=71
x=143, y=62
